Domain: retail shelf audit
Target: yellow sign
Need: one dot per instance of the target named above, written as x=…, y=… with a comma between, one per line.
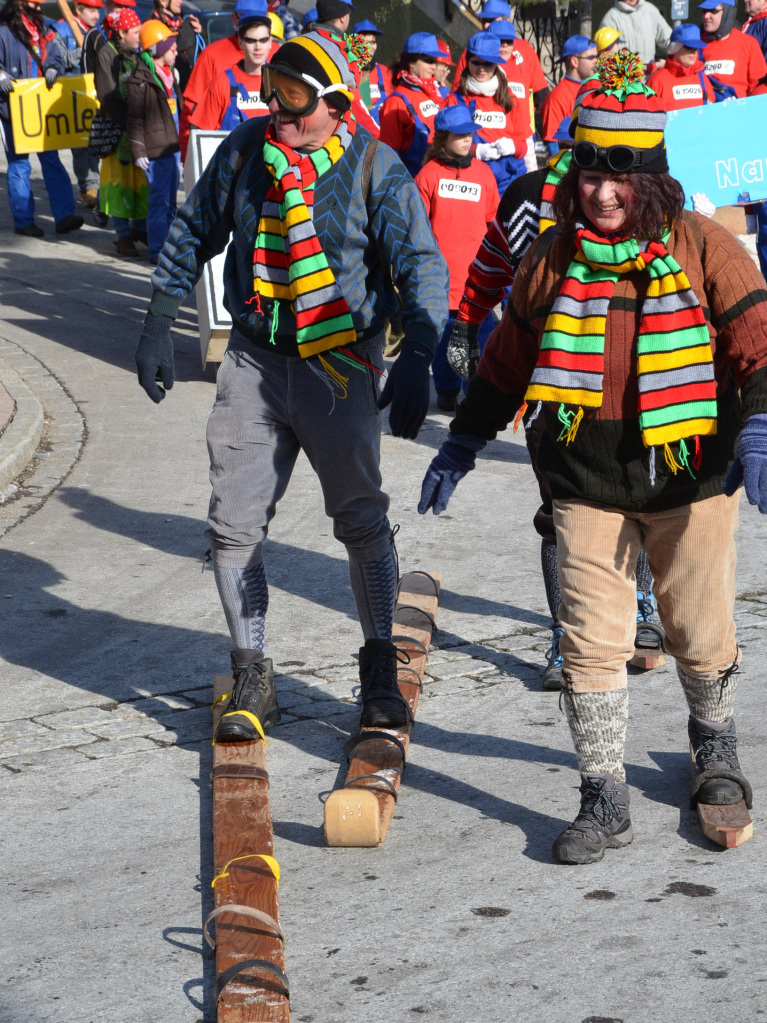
x=56, y=118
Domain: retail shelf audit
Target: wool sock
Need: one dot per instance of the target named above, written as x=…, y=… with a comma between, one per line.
x=245, y=597
x=598, y=727
x=374, y=585
x=550, y=580
x=708, y=698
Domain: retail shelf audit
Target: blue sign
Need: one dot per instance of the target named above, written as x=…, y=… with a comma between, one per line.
x=721, y=150
x=680, y=10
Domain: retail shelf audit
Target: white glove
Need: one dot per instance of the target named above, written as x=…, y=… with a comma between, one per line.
x=6, y=83
x=702, y=204
x=486, y=151
x=143, y=163
x=752, y=227
x=506, y=147
x=50, y=76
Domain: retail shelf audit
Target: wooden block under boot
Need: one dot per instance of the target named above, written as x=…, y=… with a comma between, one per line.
x=729, y=826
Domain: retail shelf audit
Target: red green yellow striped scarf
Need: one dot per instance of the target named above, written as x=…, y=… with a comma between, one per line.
x=677, y=390
x=289, y=264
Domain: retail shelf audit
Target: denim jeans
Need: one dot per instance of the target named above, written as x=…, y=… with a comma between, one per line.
x=57, y=183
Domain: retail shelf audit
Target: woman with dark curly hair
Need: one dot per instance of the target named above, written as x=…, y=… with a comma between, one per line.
x=30, y=48
x=638, y=333
x=483, y=90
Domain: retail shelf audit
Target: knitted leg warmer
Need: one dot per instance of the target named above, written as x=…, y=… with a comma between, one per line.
x=598, y=727
x=710, y=699
x=245, y=597
x=374, y=585
x=643, y=573
x=550, y=580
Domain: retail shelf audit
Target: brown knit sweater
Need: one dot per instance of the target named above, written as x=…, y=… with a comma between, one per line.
x=608, y=462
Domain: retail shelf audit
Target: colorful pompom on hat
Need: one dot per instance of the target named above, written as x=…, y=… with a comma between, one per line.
x=623, y=111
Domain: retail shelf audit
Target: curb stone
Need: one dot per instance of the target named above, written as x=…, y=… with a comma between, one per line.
x=24, y=431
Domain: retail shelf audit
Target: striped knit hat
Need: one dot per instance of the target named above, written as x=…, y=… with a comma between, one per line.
x=320, y=60
x=623, y=111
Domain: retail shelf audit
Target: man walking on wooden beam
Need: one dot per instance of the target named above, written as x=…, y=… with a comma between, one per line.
x=322, y=220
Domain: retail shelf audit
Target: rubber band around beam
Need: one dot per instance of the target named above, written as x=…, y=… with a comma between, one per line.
x=270, y=861
x=254, y=914
x=378, y=777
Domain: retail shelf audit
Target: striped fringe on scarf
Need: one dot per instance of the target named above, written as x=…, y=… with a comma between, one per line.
x=289, y=264
x=677, y=390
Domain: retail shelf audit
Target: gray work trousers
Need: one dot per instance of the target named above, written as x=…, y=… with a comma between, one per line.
x=268, y=407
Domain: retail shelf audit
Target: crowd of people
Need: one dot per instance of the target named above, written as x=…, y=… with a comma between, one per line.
x=632, y=345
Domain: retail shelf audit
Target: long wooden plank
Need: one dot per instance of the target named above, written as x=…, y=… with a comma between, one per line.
x=360, y=813
x=729, y=826
x=242, y=825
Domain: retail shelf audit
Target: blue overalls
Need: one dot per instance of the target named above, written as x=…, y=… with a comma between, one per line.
x=376, y=107
x=234, y=115
x=507, y=168
x=163, y=175
x=416, y=151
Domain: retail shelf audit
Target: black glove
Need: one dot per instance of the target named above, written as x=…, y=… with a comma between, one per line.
x=6, y=83
x=407, y=389
x=463, y=349
x=50, y=76
x=154, y=356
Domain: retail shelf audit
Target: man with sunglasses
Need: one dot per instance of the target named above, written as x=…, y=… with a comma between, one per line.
x=579, y=55
x=321, y=221
x=235, y=94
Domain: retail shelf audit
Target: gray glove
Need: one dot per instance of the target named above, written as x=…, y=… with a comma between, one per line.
x=463, y=349
x=6, y=83
x=154, y=356
x=50, y=76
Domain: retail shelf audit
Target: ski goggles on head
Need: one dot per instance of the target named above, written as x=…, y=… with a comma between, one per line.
x=296, y=93
x=616, y=159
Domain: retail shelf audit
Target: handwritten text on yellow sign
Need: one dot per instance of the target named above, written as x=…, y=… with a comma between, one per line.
x=56, y=118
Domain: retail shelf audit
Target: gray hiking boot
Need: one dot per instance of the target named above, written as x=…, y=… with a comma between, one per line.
x=602, y=823
x=716, y=775
x=254, y=693
x=552, y=673
x=382, y=703
x=649, y=634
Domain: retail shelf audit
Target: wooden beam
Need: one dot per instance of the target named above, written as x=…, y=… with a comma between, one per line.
x=359, y=814
x=729, y=826
x=242, y=826
x=77, y=32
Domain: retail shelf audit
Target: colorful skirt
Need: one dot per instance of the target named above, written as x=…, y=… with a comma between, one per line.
x=124, y=189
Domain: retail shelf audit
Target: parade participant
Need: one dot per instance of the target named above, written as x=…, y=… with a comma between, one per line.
x=309, y=20
x=86, y=166
x=215, y=58
x=442, y=70
x=731, y=56
x=154, y=98
x=407, y=114
x=30, y=48
x=682, y=82
x=642, y=27
x=609, y=40
x=494, y=10
x=579, y=55
x=375, y=77
x=334, y=16
x=461, y=197
x=641, y=407
x=235, y=94
x=483, y=91
x=756, y=25
x=756, y=216
x=304, y=367
x=190, y=40
x=123, y=192
x=287, y=22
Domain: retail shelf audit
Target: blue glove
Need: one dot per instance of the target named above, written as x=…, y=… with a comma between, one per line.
x=154, y=356
x=750, y=467
x=454, y=459
x=407, y=390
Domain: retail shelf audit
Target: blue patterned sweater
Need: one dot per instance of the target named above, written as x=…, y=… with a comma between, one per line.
x=227, y=201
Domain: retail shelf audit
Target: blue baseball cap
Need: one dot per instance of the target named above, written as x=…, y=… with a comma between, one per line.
x=456, y=119
x=424, y=43
x=310, y=17
x=251, y=9
x=687, y=35
x=576, y=44
x=486, y=47
x=503, y=30
x=711, y=5
x=367, y=26
x=495, y=9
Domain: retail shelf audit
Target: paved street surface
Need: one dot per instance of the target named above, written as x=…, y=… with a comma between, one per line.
x=111, y=633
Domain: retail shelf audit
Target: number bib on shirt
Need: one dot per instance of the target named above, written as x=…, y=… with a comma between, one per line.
x=516, y=89
x=428, y=108
x=490, y=118
x=449, y=188
x=375, y=92
x=253, y=102
x=692, y=90
x=720, y=67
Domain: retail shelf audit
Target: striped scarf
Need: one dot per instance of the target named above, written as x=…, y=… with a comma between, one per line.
x=558, y=166
x=677, y=391
x=289, y=264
